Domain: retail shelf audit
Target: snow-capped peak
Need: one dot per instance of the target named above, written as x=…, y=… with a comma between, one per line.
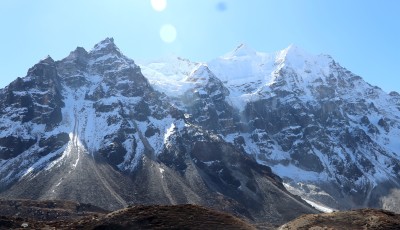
x=106, y=43
x=107, y=53
x=292, y=54
x=305, y=64
x=240, y=51
x=201, y=72
x=107, y=46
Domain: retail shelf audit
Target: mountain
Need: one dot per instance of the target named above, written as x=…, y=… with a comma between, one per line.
x=241, y=133
x=331, y=136
x=92, y=128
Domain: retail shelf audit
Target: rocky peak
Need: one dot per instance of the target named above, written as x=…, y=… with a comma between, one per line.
x=206, y=82
x=106, y=56
x=47, y=60
x=107, y=43
x=72, y=65
x=205, y=101
x=44, y=63
x=43, y=73
x=200, y=73
x=107, y=46
x=78, y=55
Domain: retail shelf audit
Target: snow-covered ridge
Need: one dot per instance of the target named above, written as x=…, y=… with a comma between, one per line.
x=248, y=74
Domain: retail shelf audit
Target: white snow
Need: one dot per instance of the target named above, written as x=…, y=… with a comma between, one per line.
x=168, y=74
x=319, y=206
x=169, y=132
x=297, y=174
x=162, y=172
x=103, y=58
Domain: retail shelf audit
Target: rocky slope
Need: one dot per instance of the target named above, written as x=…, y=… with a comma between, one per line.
x=135, y=217
x=91, y=128
x=48, y=210
x=355, y=219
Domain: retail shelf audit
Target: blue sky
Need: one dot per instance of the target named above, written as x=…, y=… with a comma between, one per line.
x=362, y=35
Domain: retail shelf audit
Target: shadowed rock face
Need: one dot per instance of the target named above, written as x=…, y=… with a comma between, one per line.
x=330, y=134
x=35, y=99
x=207, y=104
x=90, y=128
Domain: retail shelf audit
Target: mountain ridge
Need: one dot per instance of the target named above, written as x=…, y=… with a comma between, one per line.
x=91, y=128
x=311, y=93
x=172, y=131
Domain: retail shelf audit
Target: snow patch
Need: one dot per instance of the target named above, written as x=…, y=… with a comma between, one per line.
x=319, y=207
x=162, y=172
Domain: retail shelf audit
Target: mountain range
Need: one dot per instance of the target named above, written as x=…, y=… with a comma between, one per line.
x=241, y=133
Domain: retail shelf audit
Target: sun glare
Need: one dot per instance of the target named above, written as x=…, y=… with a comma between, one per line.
x=159, y=5
x=168, y=33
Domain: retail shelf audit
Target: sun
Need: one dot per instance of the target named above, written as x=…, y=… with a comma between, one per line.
x=158, y=5
x=168, y=33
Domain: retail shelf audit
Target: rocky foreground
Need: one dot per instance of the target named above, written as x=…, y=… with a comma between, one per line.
x=25, y=214
x=355, y=219
x=28, y=214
